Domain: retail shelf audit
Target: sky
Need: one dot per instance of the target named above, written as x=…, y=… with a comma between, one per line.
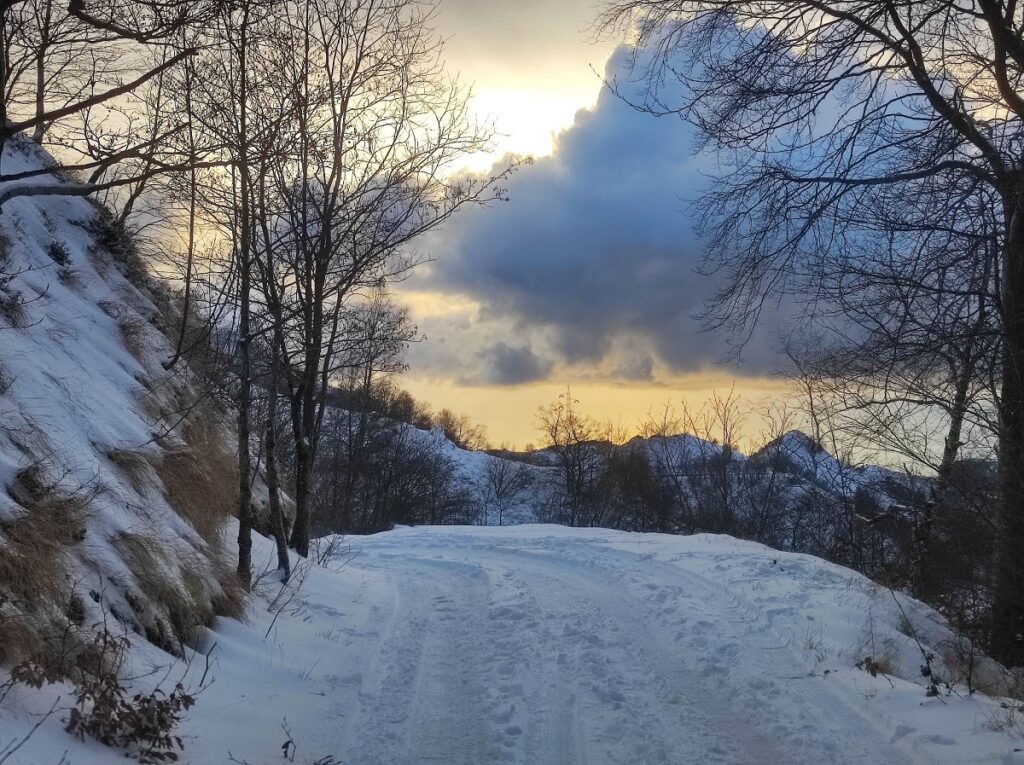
x=588, y=275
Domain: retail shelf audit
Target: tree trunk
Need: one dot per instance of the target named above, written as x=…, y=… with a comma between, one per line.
x=923, y=573
x=300, y=529
x=273, y=481
x=305, y=446
x=1008, y=589
x=244, y=375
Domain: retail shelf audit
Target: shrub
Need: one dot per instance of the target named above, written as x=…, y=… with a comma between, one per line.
x=112, y=235
x=105, y=710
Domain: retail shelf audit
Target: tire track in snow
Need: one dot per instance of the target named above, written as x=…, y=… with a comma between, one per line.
x=422, y=705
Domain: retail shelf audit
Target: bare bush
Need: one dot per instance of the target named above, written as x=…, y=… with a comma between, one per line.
x=105, y=710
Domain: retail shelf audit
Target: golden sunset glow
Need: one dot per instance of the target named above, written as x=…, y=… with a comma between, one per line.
x=531, y=82
x=526, y=120
x=527, y=81
x=510, y=412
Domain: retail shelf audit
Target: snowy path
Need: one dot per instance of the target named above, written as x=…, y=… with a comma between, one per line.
x=541, y=645
x=579, y=653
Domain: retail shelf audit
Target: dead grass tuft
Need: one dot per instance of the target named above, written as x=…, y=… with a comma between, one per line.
x=200, y=478
x=34, y=544
x=133, y=464
x=129, y=324
x=18, y=640
x=6, y=380
x=968, y=665
x=875, y=666
x=175, y=588
x=230, y=601
x=38, y=609
x=12, y=306
x=58, y=253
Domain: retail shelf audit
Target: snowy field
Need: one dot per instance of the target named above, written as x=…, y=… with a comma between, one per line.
x=542, y=644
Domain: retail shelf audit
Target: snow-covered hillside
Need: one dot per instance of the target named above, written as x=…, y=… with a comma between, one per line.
x=542, y=644
x=113, y=475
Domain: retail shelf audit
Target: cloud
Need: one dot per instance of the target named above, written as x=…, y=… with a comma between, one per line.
x=593, y=260
x=505, y=364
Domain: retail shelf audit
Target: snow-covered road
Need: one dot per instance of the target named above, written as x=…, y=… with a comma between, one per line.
x=542, y=645
x=562, y=652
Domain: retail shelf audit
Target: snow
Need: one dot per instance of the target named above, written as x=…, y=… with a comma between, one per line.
x=814, y=462
x=543, y=644
x=471, y=468
x=78, y=393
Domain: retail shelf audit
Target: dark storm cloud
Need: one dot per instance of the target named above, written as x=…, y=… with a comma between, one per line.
x=596, y=244
x=505, y=364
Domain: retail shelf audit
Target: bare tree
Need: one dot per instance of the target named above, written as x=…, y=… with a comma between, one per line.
x=81, y=72
x=580, y=445
x=461, y=430
x=505, y=482
x=374, y=126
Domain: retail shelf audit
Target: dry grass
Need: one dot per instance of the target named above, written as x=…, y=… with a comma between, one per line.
x=18, y=639
x=12, y=307
x=133, y=464
x=875, y=666
x=200, y=478
x=968, y=665
x=129, y=324
x=133, y=332
x=35, y=543
x=70, y=278
x=178, y=599
x=6, y=380
x=231, y=599
x=187, y=591
x=36, y=603
x=58, y=253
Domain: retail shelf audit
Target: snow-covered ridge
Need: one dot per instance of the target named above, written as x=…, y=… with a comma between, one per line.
x=807, y=465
